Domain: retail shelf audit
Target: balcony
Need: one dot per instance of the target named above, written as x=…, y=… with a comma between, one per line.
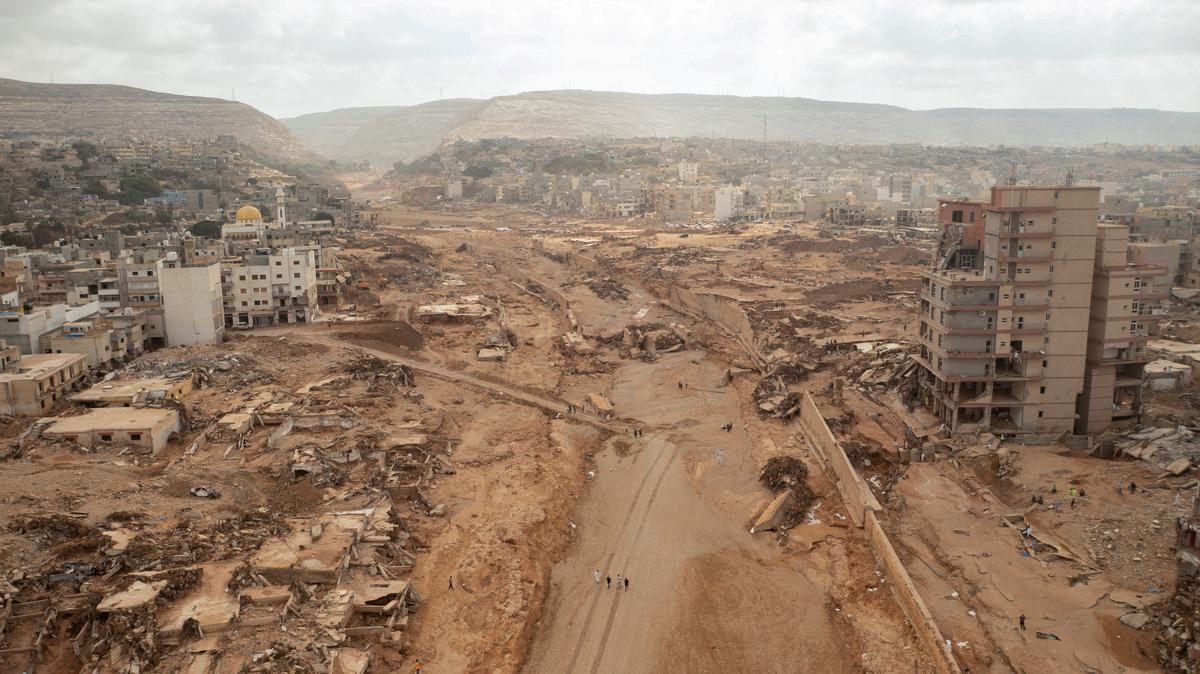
x=947, y=306
x=987, y=355
x=1125, y=381
x=1027, y=305
x=1126, y=356
x=1024, y=256
x=1022, y=233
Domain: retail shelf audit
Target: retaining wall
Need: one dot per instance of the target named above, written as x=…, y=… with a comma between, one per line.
x=862, y=504
x=560, y=300
x=725, y=311
x=909, y=598
x=856, y=494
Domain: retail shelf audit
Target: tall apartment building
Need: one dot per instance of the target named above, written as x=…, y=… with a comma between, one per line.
x=1004, y=335
x=191, y=300
x=1125, y=298
x=270, y=286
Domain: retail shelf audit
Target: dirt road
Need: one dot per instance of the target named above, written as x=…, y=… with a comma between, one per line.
x=315, y=335
x=704, y=595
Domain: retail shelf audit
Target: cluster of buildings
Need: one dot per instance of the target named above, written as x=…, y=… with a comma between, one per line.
x=691, y=180
x=78, y=181
x=1036, y=314
x=90, y=304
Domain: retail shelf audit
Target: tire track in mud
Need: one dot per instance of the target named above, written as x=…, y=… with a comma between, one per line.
x=612, y=612
x=587, y=621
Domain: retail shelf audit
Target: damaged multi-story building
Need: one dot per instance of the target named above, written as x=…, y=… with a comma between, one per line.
x=1038, y=325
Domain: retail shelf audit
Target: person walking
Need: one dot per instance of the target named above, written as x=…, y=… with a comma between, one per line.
x=608, y=582
x=1021, y=621
x=1132, y=487
x=626, y=583
x=450, y=580
x=1120, y=487
x=618, y=581
x=596, y=576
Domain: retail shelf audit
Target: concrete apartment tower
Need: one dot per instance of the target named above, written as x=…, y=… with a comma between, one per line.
x=1125, y=298
x=1004, y=334
x=191, y=299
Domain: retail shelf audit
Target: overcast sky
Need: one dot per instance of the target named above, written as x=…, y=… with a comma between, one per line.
x=289, y=57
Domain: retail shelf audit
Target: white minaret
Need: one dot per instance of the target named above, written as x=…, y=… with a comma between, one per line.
x=280, y=219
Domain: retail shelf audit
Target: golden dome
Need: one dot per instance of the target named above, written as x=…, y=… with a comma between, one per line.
x=248, y=213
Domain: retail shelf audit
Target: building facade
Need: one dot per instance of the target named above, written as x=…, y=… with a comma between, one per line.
x=191, y=298
x=1004, y=338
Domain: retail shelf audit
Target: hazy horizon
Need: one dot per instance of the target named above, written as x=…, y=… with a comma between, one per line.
x=293, y=58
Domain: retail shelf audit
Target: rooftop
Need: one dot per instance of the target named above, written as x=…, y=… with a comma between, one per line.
x=39, y=364
x=113, y=418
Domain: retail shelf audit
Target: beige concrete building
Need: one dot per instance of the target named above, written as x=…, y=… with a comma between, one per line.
x=1162, y=254
x=103, y=346
x=269, y=287
x=191, y=298
x=147, y=427
x=39, y=382
x=131, y=392
x=1004, y=336
x=1125, y=299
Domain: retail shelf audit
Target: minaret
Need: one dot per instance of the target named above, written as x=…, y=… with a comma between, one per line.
x=280, y=220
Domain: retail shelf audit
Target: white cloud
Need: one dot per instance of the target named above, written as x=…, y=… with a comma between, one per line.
x=288, y=57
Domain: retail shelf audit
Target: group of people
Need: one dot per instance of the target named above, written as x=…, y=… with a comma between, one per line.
x=727, y=426
x=637, y=432
x=622, y=583
x=1072, y=492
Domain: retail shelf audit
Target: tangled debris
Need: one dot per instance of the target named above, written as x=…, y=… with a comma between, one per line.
x=788, y=474
x=383, y=376
x=608, y=288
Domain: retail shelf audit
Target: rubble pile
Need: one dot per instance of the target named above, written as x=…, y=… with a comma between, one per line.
x=227, y=371
x=784, y=368
x=608, y=288
x=331, y=578
x=1173, y=450
x=382, y=376
x=647, y=340
x=789, y=475
x=879, y=369
x=1178, y=623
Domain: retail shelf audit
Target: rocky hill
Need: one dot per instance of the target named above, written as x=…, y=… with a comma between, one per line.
x=402, y=134
x=384, y=135
x=117, y=111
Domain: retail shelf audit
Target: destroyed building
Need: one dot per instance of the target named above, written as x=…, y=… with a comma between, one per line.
x=39, y=382
x=1010, y=336
x=147, y=427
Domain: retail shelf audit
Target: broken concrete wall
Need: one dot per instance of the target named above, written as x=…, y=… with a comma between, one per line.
x=280, y=433
x=856, y=494
x=909, y=598
x=569, y=258
x=725, y=311
x=582, y=262
x=516, y=273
